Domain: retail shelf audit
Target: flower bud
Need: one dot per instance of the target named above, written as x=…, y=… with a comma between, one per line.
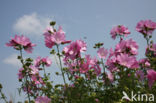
x=57, y=73
x=26, y=102
x=1, y=86
x=52, y=23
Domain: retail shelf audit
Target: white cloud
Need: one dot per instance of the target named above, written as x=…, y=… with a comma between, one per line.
x=12, y=60
x=32, y=24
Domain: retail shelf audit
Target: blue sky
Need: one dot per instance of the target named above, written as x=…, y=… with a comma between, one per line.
x=80, y=18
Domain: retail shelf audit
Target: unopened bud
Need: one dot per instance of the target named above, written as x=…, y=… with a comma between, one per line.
x=52, y=23
x=1, y=86
x=26, y=102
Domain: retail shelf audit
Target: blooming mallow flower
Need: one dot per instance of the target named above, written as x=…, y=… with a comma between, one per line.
x=37, y=79
x=128, y=61
x=85, y=64
x=54, y=37
x=42, y=99
x=127, y=46
x=37, y=61
x=91, y=63
x=19, y=42
x=119, y=30
x=111, y=64
x=34, y=70
x=151, y=75
x=46, y=61
x=151, y=50
x=110, y=76
x=74, y=49
x=140, y=75
x=144, y=63
x=102, y=52
x=146, y=27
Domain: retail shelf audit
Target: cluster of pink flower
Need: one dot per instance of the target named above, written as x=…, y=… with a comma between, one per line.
x=90, y=64
x=22, y=42
x=122, y=57
x=73, y=58
x=124, y=54
x=126, y=50
x=33, y=72
x=35, y=78
x=42, y=99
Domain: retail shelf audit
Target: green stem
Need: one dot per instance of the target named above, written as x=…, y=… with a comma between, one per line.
x=22, y=61
x=147, y=39
x=60, y=64
x=103, y=65
x=3, y=96
x=77, y=67
x=21, y=57
x=104, y=70
x=44, y=70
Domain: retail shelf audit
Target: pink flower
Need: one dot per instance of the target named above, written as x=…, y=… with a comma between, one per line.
x=95, y=66
x=102, y=52
x=20, y=74
x=36, y=79
x=111, y=63
x=48, y=42
x=151, y=75
x=127, y=46
x=144, y=63
x=49, y=30
x=59, y=36
x=83, y=65
x=126, y=60
x=110, y=76
x=151, y=50
x=37, y=61
x=46, y=61
x=29, y=48
x=146, y=27
x=19, y=42
x=52, y=38
x=97, y=100
x=74, y=49
x=42, y=99
x=27, y=89
x=111, y=53
x=34, y=70
x=140, y=75
x=119, y=30
x=90, y=64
